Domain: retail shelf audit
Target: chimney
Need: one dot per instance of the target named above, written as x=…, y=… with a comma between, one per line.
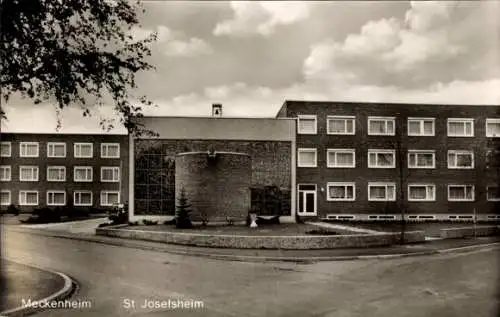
x=216, y=110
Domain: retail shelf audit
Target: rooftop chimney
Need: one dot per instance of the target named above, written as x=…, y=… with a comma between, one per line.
x=216, y=110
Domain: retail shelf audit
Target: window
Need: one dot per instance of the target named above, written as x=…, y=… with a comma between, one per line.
x=341, y=125
x=460, y=193
x=56, y=198
x=492, y=158
x=381, y=126
x=83, y=150
x=421, y=126
x=5, y=173
x=421, y=192
x=493, y=128
x=307, y=124
x=343, y=158
x=110, y=174
x=493, y=193
x=381, y=158
x=108, y=198
x=460, y=159
x=460, y=127
x=421, y=159
x=382, y=191
x=110, y=150
x=56, y=149
x=341, y=191
x=82, y=198
x=28, y=198
x=28, y=173
x=5, y=197
x=82, y=174
x=307, y=158
x=56, y=173
x=28, y=149
x=5, y=149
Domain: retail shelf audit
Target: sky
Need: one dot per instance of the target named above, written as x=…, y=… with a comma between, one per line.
x=252, y=56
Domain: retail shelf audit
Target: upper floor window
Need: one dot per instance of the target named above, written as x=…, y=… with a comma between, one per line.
x=421, y=159
x=341, y=125
x=28, y=149
x=461, y=192
x=461, y=127
x=110, y=174
x=421, y=126
x=83, y=150
x=381, y=158
x=307, y=124
x=56, y=173
x=5, y=149
x=381, y=126
x=341, y=191
x=421, y=192
x=5, y=198
x=381, y=191
x=493, y=128
x=307, y=157
x=28, y=173
x=28, y=197
x=5, y=173
x=493, y=193
x=460, y=159
x=56, y=198
x=342, y=158
x=110, y=150
x=82, y=174
x=56, y=149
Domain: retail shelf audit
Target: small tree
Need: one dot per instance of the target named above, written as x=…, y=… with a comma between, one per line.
x=182, y=220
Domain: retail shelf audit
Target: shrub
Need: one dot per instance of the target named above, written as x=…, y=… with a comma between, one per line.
x=169, y=222
x=133, y=223
x=12, y=209
x=147, y=222
x=182, y=216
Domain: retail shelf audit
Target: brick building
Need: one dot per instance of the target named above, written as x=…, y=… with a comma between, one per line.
x=369, y=161
x=39, y=170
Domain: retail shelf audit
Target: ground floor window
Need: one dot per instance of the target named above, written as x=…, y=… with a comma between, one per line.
x=82, y=198
x=493, y=193
x=108, y=198
x=56, y=198
x=460, y=193
x=421, y=192
x=382, y=191
x=28, y=198
x=5, y=197
x=341, y=191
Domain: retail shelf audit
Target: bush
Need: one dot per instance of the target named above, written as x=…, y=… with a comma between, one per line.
x=45, y=215
x=169, y=222
x=133, y=223
x=182, y=217
x=12, y=209
x=147, y=222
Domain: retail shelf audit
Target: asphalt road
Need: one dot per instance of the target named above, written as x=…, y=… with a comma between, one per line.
x=112, y=277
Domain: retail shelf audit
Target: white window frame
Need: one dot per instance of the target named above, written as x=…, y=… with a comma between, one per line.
x=386, y=119
x=488, y=194
x=104, y=146
x=32, y=167
x=50, y=148
x=379, y=151
x=422, y=121
x=9, y=169
x=55, y=192
x=426, y=185
x=341, y=184
x=27, y=144
x=86, y=180
x=459, y=152
x=307, y=117
x=416, y=153
x=110, y=168
x=331, y=164
x=105, y=192
x=345, y=118
x=3, y=191
x=491, y=121
x=21, y=192
x=464, y=186
x=79, y=192
x=460, y=120
x=380, y=184
x=79, y=144
x=4, y=143
x=307, y=150
x=59, y=168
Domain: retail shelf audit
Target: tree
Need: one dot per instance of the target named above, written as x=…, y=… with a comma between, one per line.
x=71, y=51
x=182, y=215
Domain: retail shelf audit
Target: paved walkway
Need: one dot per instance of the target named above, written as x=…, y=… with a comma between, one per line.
x=342, y=227
x=81, y=226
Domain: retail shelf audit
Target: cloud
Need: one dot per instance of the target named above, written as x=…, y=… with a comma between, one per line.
x=261, y=17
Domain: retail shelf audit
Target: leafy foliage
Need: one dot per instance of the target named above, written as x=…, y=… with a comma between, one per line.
x=78, y=52
x=182, y=216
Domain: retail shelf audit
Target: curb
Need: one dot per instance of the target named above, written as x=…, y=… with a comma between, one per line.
x=62, y=294
x=251, y=258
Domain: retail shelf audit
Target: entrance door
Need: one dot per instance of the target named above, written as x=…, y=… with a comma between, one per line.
x=306, y=200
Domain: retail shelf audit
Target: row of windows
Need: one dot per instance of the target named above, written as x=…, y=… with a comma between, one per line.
x=346, y=125
x=58, y=149
x=58, y=173
x=385, y=158
x=377, y=191
x=58, y=198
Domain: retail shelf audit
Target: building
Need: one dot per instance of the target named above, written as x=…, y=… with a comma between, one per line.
x=48, y=170
x=374, y=161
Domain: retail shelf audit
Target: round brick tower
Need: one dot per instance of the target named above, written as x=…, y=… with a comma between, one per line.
x=217, y=184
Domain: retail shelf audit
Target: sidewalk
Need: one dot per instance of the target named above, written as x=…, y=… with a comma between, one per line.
x=305, y=256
